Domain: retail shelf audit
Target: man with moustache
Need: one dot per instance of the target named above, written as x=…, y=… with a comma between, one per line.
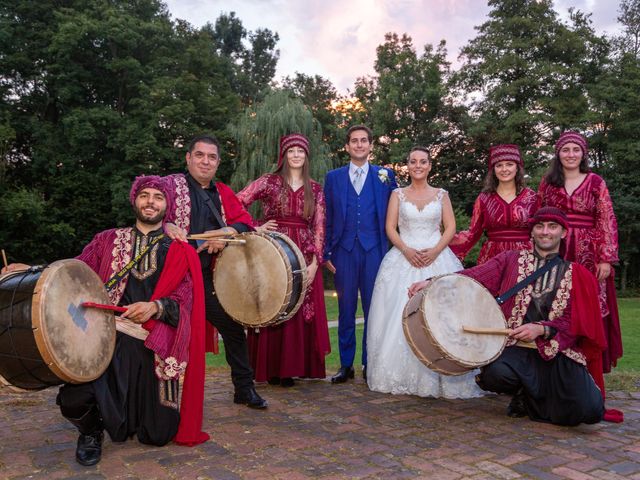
x=553, y=356
x=356, y=208
x=154, y=386
x=202, y=205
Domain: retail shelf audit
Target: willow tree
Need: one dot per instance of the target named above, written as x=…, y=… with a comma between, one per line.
x=258, y=131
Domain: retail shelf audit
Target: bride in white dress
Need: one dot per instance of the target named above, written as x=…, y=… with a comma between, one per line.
x=419, y=251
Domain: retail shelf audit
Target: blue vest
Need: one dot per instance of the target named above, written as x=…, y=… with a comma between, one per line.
x=361, y=223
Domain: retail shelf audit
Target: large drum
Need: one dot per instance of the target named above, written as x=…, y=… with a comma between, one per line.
x=433, y=323
x=262, y=282
x=46, y=336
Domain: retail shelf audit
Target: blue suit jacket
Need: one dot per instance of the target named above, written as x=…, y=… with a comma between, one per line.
x=336, y=188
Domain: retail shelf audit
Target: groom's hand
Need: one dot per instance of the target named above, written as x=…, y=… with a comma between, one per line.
x=330, y=266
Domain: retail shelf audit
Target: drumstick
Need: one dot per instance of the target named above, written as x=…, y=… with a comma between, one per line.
x=239, y=241
x=102, y=306
x=210, y=235
x=487, y=330
x=4, y=259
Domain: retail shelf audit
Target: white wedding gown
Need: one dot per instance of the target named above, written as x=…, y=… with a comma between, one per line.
x=391, y=365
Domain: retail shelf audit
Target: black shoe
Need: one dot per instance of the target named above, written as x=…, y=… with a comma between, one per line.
x=274, y=381
x=364, y=373
x=287, y=382
x=517, y=407
x=250, y=398
x=343, y=375
x=89, y=449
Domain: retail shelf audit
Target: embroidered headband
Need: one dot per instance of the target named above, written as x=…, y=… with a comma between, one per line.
x=504, y=153
x=572, y=137
x=549, y=214
x=292, y=140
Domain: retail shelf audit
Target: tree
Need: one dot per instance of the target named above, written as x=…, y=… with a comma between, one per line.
x=94, y=93
x=255, y=67
x=525, y=75
x=320, y=96
x=257, y=134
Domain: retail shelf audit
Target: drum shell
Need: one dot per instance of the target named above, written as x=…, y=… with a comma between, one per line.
x=261, y=283
x=32, y=329
x=421, y=334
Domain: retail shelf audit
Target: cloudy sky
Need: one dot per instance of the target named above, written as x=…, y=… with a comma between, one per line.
x=338, y=38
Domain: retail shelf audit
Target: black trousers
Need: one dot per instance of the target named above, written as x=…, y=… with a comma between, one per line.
x=558, y=391
x=233, y=336
x=124, y=400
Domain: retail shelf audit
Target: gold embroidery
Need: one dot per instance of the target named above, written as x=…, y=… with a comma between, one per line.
x=575, y=356
x=183, y=202
x=121, y=255
x=149, y=264
x=526, y=266
x=551, y=348
x=561, y=300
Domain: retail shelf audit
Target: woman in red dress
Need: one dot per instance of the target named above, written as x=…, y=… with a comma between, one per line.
x=293, y=204
x=593, y=231
x=502, y=210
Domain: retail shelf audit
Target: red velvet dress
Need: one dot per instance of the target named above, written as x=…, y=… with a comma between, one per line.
x=506, y=225
x=592, y=239
x=297, y=347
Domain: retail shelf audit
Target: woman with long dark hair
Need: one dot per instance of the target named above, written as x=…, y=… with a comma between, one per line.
x=593, y=230
x=502, y=210
x=293, y=204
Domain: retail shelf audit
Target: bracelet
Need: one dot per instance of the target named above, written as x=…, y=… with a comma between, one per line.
x=160, y=308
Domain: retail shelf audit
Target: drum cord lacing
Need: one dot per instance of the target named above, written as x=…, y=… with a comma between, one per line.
x=9, y=327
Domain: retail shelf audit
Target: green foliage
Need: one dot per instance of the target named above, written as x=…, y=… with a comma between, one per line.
x=320, y=96
x=257, y=134
x=99, y=91
x=526, y=74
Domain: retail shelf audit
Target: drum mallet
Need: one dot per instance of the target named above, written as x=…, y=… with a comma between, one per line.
x=4, y=259
x=488, y=331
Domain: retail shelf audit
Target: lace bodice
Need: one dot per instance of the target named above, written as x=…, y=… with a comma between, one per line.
x=420, y=228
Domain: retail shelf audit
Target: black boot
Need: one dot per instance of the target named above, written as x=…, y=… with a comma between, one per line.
x=89, y=449
x=517, y=407
x=250, y=398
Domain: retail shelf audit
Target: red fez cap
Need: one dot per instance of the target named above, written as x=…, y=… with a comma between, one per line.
x=550, y=214
x=504, y=153
x=572, y=137
x=292, y=140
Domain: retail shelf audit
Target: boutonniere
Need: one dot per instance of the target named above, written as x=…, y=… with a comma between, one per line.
x=383, y=175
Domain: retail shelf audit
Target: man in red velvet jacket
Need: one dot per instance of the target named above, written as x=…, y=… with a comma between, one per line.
x=558, y=314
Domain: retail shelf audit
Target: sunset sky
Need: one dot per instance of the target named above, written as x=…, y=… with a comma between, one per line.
x=338, y=39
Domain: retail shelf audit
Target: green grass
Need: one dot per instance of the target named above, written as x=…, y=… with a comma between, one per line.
x=625, y=377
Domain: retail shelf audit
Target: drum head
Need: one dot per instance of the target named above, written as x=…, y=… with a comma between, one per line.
x=252, y=281
x=76, y=342
x=452, y=301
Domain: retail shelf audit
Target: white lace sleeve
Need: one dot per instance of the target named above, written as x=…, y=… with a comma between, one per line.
x=400, y=192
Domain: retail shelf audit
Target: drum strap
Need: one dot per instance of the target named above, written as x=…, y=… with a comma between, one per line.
x=530, y=279
x=209, y=203
x=117, y=278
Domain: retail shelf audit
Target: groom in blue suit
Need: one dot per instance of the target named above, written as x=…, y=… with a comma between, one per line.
x=356, y=196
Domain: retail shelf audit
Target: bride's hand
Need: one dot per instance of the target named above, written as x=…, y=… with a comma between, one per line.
x=413, y=257
x=428, y=256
